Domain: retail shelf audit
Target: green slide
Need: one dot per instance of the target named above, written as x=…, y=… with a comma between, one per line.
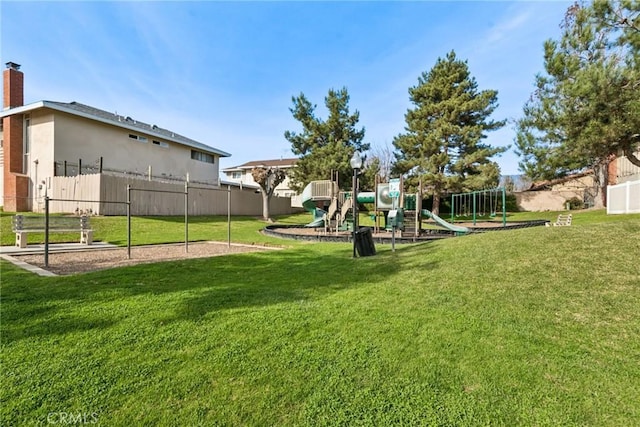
x=309, y=204
x=442, y=223
x=318, y=218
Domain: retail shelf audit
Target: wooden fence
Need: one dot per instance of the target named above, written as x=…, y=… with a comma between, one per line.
x=107, y=195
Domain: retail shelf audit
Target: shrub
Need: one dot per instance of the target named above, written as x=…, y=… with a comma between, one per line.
x=511, y=203
x=575, y=203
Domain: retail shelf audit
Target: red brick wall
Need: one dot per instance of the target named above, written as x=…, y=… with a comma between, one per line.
x=13, y=84
x=612, y=171
x=16, y=185
x=12, y=135
x=16, y=199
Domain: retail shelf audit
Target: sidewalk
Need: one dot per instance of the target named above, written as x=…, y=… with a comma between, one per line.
x=7, y=253
x=55, y=247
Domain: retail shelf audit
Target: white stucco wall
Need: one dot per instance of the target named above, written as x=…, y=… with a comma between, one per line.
x=282, y=189
x=41, y=167
x=79, y=138
x=245, y=178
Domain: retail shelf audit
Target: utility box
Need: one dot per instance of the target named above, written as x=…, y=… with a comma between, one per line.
x=396, y=219
x=364, y=242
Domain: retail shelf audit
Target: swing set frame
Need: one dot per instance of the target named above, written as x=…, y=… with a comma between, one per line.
x=478, y=202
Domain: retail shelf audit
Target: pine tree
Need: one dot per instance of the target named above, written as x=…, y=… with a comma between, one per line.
x=443, y=145
x=586, y=107
x=325, y=146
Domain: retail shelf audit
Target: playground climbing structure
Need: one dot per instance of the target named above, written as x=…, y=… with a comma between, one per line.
x=332, y=209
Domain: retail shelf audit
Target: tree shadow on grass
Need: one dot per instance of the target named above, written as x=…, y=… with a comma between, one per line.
x=194, y=287
x=260, y=282
x=198, y=219
x=158, y=230
x=43, y=327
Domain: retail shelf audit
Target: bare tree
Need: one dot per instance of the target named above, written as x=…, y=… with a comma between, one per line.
x=382, y=155
x=268, y=179
x=509, y=184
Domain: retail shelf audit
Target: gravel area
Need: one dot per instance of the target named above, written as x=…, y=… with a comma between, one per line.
x=66, y=263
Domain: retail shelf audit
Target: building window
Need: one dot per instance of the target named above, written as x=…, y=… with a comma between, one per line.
x=203, y=157
x=160, y=144
x=138, y=137
x=236, y=175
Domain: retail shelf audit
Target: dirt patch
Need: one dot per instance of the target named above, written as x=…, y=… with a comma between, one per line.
x=65, y=263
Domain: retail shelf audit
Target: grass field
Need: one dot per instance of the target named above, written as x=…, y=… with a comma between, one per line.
x=536, y=326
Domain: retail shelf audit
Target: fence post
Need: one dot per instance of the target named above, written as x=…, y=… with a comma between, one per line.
x=474, y=208
x=100, y=164
x=228, y=216
x=453, y=207
x=186, y=216
x=129, y=221
x=46, y=231
x=79, y=166
x=504, y=207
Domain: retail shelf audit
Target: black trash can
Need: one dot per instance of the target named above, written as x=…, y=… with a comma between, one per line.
x=364, y=242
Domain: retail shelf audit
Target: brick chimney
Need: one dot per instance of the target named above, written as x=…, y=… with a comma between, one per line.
x=13, y=86
x=16, y=184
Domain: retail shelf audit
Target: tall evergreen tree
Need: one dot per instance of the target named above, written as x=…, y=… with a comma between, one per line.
x=325, y=146
x=443, y=145
x=586, y=108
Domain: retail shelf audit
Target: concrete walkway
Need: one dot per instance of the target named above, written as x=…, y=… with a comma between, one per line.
x=29, y=267
x=8, y=253
x=55, y=247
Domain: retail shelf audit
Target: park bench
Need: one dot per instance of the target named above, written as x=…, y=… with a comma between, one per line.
x=563, y=220
x=22, y=225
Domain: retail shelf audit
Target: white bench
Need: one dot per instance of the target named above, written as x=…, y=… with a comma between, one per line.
x=22, y=225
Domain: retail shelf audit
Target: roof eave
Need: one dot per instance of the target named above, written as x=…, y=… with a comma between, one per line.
x=247, y=167
x=22, y=109
x=53, y=106
x=239, y=184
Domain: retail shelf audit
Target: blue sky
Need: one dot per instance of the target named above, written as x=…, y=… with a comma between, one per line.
x=223, y=73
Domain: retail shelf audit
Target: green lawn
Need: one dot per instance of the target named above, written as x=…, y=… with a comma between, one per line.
x=151, y=230
x=537, y=326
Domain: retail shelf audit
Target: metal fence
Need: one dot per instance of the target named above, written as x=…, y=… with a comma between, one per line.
x=132, y=202
x=623, y=198
x=71, y=168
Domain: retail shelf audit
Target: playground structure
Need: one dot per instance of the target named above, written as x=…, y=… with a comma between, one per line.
x=395, y=209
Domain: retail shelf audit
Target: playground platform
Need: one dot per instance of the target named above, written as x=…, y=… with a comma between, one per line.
x=300, y=232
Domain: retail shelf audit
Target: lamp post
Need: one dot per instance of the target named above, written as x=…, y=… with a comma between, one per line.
x=356, y=164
